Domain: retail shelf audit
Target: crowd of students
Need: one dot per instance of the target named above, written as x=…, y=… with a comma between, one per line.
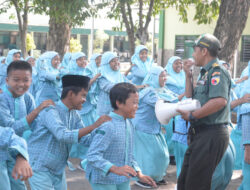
x=106, y=118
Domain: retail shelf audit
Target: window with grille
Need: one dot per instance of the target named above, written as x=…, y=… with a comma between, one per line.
x=181, y=49
x=245, y=48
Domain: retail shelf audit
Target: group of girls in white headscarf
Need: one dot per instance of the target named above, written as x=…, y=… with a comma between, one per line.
x=152, y=148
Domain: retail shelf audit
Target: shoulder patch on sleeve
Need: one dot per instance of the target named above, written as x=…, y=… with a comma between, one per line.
x=215, y=80
x=98, y=131
x=215, y=65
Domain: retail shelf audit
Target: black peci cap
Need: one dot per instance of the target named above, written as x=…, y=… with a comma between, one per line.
x=75, y=80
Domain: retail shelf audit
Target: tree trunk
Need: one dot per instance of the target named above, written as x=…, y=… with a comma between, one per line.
x=59, y=37
x=23, y=34
x=22, y=25
x=129, y=25
x=230, y=25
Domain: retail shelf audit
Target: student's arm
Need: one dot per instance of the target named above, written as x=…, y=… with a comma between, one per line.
x=94, y=79
x=33, y=114
x=105, y=85
x=13, y=143
x=22, y=169
x=136, y=71
x=127, y=72
x=83, y=136
x=189, y=86
x=241, y=80
x=7, y=120
x=151, y=98
x=51, y=120
x=45, y=74
x=244, y=99
x=102, y=139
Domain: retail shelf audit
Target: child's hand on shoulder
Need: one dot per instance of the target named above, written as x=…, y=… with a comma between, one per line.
x=45, y=104
x=22, y=169
x=146, y=179
x=123, y=171
x=102, y=119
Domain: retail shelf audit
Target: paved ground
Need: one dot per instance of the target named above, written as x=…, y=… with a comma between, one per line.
x=76, y=179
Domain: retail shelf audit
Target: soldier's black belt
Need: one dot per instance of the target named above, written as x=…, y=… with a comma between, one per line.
x=200, y=128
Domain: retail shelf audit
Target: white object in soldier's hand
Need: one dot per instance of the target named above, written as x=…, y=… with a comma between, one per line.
x=165, y=111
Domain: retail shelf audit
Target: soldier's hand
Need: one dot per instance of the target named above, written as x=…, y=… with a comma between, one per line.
x=247, y=154
x=187, y=64
x=184, y=114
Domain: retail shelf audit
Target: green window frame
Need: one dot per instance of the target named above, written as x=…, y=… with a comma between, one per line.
x=245, y=48
x=182, y=49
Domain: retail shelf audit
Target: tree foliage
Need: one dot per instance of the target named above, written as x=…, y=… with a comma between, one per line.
x=137, y=26
x=30, y=44
x=72, y=12
x=75, y=45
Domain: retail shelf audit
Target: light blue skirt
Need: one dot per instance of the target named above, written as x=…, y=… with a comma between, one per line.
x=168, y=136
x=151, y=154
x=245, y=184
x=224, y=171
x=179, y=153
x=235, y=136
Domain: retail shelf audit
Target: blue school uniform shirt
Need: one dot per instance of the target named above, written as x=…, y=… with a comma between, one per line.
x=11, y=144
x=90, y=71
x=13, y=111
x=49, y=86
x=112, y=144
x=145, y=119
x=55, y=131
x=140, y=68
x=107, y=80
x=245, y=109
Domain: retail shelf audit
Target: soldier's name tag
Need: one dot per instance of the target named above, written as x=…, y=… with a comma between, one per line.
x=215, y=80
x=215, y=73
x=201, y=82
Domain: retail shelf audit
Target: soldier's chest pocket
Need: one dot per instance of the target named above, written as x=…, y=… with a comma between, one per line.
x=202, y=89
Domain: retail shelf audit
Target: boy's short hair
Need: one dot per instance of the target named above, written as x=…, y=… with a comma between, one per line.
x=120, y=92
x=74, y=89
x=19, y=65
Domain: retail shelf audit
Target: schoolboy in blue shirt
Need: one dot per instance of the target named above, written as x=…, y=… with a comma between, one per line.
x=57, y=128
x=17, y=108
x=110, y=157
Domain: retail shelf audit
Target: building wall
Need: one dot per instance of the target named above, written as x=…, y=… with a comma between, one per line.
x=173, y=27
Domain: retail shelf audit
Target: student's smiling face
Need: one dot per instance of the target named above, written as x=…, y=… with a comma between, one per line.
x=55, y=62
x=19, y=82
x=78, y=99
x=115, y=64
x=131, y=105
x=162, y=78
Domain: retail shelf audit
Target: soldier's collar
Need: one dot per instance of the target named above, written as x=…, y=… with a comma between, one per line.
x=210, y=64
